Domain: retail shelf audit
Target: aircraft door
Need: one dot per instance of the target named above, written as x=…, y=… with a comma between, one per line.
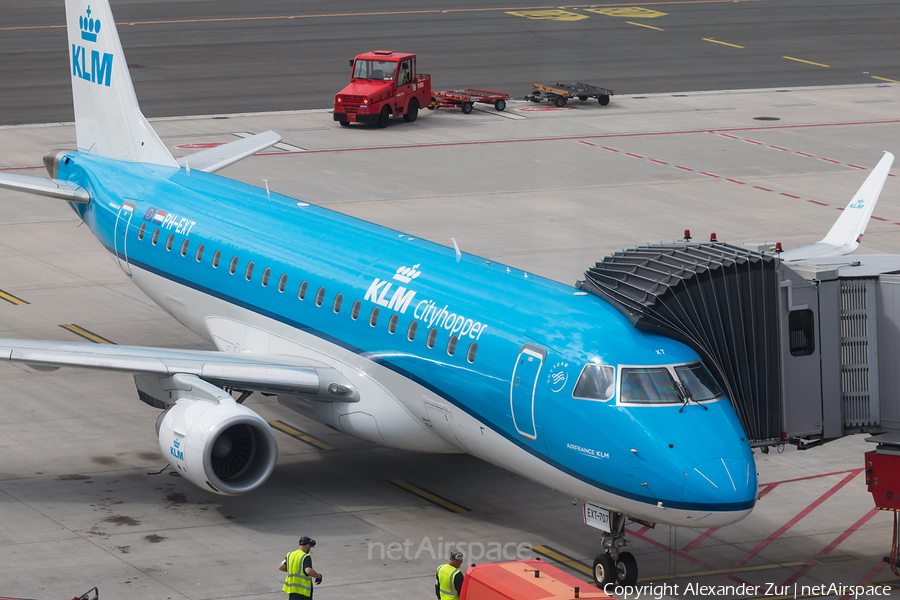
x=123, y=220
x=522, y=389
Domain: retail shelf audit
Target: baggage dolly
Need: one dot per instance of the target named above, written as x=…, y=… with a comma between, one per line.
x=560, y=93
x=466, y=99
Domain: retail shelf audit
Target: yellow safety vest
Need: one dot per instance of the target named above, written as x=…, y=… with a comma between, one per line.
x=297, y=582
x=445, y=575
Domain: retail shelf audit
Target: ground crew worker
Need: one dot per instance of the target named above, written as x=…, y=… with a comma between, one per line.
x=298, y=565
x=405, y=77
x=449, y=579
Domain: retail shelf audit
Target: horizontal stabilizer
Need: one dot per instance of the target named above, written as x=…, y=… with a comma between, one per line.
x=220, y=157
x=848, y=230
x=53, y=188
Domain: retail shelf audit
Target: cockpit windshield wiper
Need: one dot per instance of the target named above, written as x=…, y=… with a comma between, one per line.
x=686, y=397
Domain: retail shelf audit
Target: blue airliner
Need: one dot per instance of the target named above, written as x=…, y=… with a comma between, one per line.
x=388, y=338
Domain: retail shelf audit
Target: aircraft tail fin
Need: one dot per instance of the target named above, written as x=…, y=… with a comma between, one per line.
x=108, y=120
x=847, y=231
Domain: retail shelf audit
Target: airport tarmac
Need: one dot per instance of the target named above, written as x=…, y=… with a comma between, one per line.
x=82, y=502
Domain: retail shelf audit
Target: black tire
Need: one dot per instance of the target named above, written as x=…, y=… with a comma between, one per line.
x=344, y=123
x=383, y=117
x=604, y=570
x=466, y=107
x=433, y=104
x=604, y=100
x=582, y=97
x=412, y=111
x=500, y=105
x=560, y=101
x=626, y=569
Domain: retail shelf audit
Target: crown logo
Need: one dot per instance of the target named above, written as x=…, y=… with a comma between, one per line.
x=90, y=27
x=407, y=274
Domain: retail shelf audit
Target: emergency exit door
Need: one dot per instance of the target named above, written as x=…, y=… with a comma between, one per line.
x=521, y=393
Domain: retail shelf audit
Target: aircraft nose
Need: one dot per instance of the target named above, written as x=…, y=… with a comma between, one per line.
x=724, y=480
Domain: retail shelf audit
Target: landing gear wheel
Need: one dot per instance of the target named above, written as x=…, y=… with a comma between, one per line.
x=383, y=117
x=626, y=569
x=412, y=111
x=466, y=107
x=604, y=100
x=344, y=123
x=560, y=101
x=500, y=105
x=604, y=570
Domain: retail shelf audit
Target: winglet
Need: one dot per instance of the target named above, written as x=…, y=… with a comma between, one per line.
x=108, y=120
x=847, y=231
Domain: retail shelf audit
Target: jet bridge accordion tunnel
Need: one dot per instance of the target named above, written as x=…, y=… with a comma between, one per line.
x=795, y=348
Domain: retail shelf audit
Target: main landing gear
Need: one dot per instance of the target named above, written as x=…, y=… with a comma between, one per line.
x=613, y=566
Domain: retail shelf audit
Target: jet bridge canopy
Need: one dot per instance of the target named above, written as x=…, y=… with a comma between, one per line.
x=719, y=299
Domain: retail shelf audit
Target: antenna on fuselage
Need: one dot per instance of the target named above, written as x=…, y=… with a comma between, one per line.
x=456, y=247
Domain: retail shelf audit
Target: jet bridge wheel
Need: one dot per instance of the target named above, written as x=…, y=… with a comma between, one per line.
x=605, y=571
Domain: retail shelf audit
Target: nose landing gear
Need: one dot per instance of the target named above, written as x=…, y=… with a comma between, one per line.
x=613, y=566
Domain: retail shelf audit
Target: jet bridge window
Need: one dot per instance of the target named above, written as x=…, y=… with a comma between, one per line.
x=596, y=382
x=803, y=337
x=649, y=385
x=698, y=382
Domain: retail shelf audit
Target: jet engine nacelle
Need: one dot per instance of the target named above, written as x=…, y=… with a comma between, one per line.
x=217, y=444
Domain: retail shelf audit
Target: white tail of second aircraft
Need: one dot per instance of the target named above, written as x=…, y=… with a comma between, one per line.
x=108, y=120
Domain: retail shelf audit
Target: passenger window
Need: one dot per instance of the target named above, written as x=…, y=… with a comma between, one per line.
x=249, y=272
x=320, y=296
x=411, y=332
x=354, y=312
x=155, y=237
x=265, y=278
x=184, y=247
x=301, y=294
x=282, y=283
x=597, y=382
x=649, y=385
x=451, y=345
x=803, y=337
x=373, y=318
x=170, y=241
x=199, y=252
x=473, y=350
x=232, y=268
x=216, y=258
x=141, y=231
x=392, y=324
x=432, y=337
x=338, y=300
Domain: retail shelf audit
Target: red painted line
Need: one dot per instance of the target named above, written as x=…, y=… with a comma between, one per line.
x=634, y=155
x=762, y=545
x=831, y=160
x=736, y=181
x=587, y=143
x=643, y=530
x=834, y=544
x=699, y=539
x=779, y=148
x=857, y=167
x=659, y=162
x=807, y=154
x=759, y=187
x=754, y=142
x=734, y=137
x=817, y=202
x=710, y=174
x=879, y=219
x=21, y=168
x=683, y=168
x=869, y=577
x=790, y=195
x=610, y=149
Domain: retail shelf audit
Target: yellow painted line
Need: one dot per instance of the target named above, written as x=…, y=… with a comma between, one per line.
x=647, y=26
x=628, y=12
x=885, y=79
x=88, y=335
x=431, y=497
x=548, y=15
x=809, y=62
x=563, y=559
x=723, y=43
x=300, y=435
x=11, y=299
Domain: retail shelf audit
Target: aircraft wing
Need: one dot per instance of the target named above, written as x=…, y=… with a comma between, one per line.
x=847, y=231
x=270, y=374
x=220, y=157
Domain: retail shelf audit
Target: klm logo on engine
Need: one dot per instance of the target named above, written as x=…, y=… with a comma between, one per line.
x=175, y=451
x=101, y=65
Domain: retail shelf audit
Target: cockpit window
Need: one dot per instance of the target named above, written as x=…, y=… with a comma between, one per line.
x=374, y=69
x=649, y=385
x=698, y=382
x=597, y=382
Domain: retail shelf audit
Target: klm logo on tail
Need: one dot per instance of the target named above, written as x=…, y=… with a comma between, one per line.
x=101, y=65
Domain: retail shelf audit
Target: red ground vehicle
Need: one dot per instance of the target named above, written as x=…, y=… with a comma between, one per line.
x=525, y=580
x=382, y=84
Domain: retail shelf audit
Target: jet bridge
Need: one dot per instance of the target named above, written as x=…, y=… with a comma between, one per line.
x=805, y=350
